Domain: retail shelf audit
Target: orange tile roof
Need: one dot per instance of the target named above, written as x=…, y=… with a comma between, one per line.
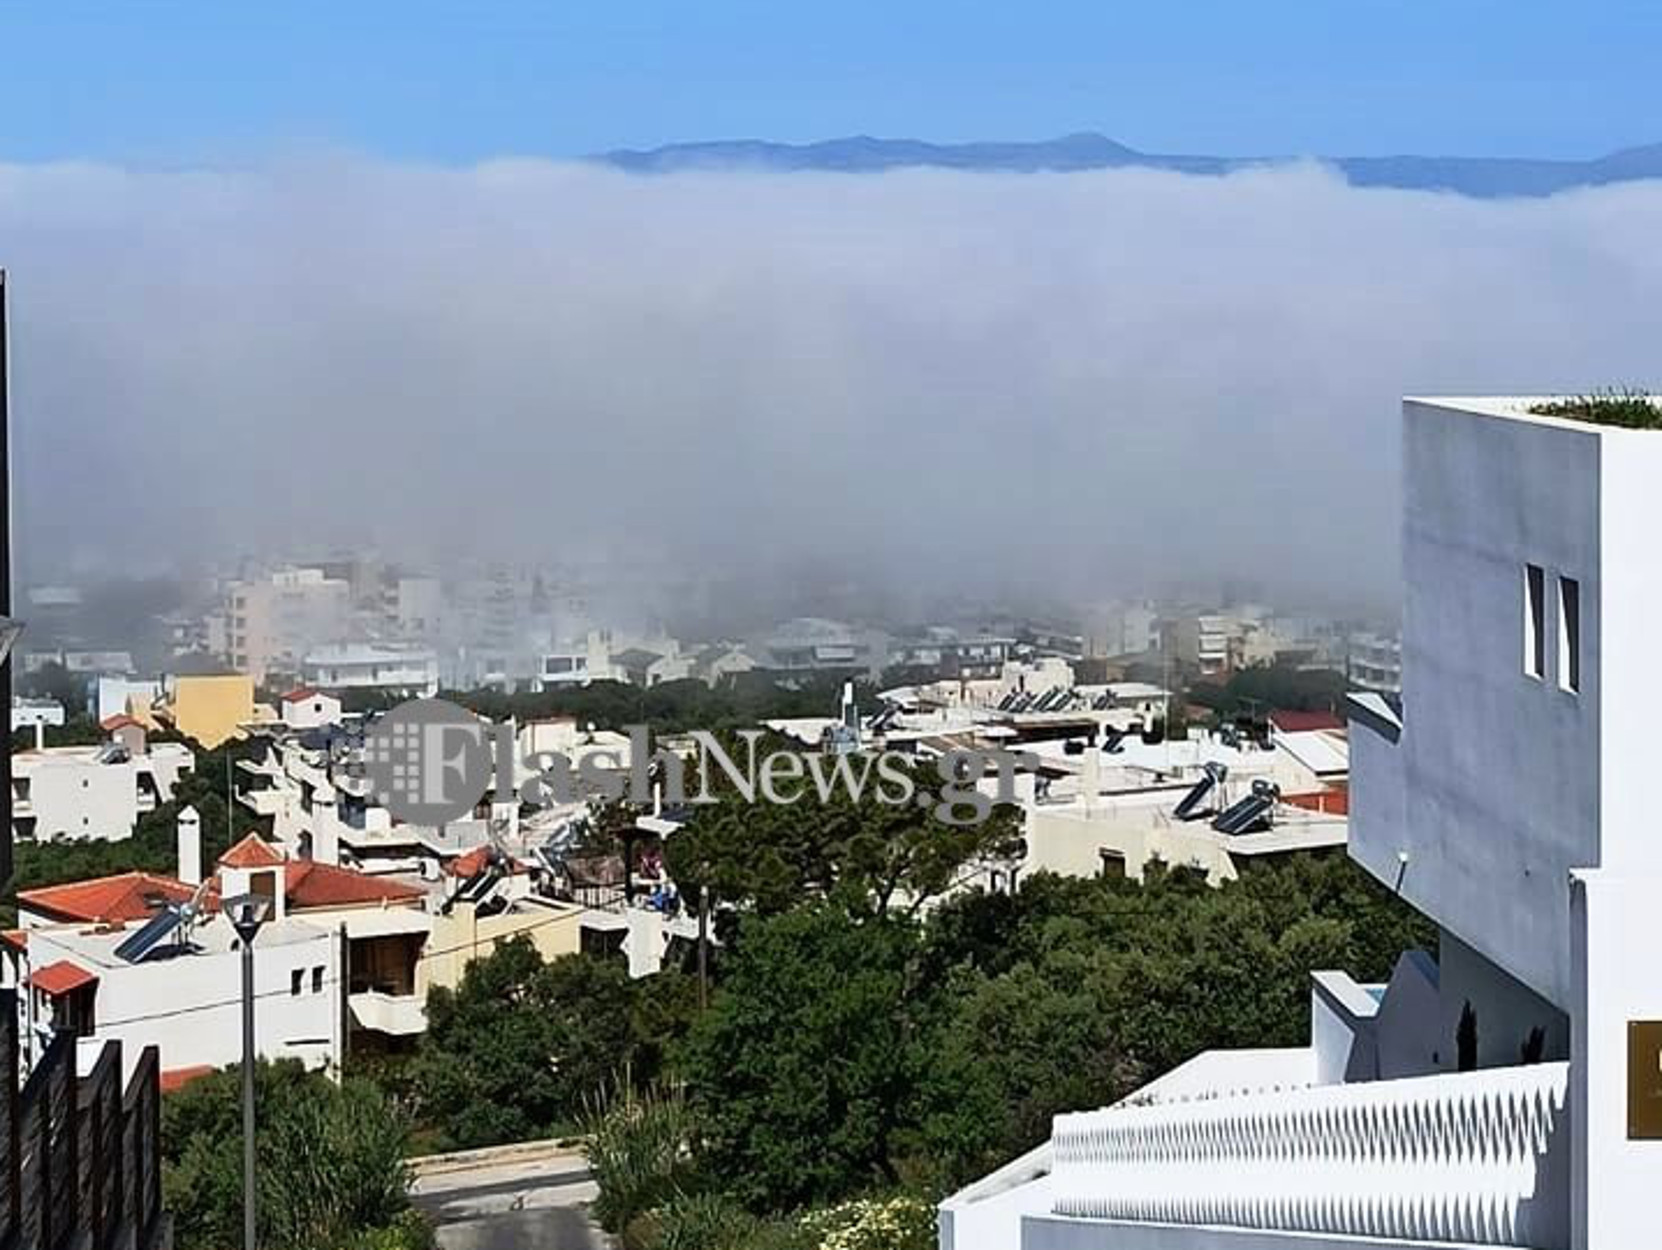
x=119, y=721
x=62, y=977
x=17, y=939
x=1289, y=722
x=125, y=896
x=313, y=884
x=473, y=863
x=177, y=1078
x=252, y=852
x=1334, y=802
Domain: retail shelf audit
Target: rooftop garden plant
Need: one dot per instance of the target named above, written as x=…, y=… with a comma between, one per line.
x=1629, y=409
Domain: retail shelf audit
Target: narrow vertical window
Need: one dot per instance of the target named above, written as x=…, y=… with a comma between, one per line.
x=1569, y=634
x=1535, y=625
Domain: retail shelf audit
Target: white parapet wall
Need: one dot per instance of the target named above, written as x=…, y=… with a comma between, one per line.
x=1477, y=1158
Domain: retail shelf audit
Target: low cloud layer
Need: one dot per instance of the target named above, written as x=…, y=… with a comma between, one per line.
x=1089, y=380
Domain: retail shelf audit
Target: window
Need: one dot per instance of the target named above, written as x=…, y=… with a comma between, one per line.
x=1569, y=634
x=317, y=980
x=1535, y=629
x=295, y=979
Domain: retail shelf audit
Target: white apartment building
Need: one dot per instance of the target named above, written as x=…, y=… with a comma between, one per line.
x=1373, y=661
x=578, y=662
x=37, y=715
x=1508, y=800
x=95, y=791
x=409, y=671
x=184, y=997
x=272, y=621
x=324, y=815
x=337, y=961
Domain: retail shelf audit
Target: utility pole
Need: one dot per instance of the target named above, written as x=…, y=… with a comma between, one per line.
x=247, y=913
x=249, y=1198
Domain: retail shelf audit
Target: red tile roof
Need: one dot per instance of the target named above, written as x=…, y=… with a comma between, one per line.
x=119, y=721
x=252, y=852
x=473, y=863
x=125, y=896
x=300, y=695
x=177, y=1078
x=1300, y=722
x=129, y=896
x=313, y=884
x=17, y=939
x=1330, y=802
x=61, y=978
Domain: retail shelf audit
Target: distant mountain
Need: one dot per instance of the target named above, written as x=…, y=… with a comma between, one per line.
x=1486, y=176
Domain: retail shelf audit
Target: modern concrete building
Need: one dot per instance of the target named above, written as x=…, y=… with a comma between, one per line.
x=1509, y=1093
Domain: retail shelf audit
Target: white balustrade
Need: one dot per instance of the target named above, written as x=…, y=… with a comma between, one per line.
x=1479, y=1157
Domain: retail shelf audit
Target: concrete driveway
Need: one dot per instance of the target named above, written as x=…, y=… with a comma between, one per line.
x=531, y=1196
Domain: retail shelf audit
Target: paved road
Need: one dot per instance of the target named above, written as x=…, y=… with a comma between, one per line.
x=521, y=1204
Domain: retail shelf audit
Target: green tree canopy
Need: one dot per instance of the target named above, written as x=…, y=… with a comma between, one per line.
x=522, y=1046
x=799, y=1070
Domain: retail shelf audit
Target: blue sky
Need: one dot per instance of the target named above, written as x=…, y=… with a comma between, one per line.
x=167, y=81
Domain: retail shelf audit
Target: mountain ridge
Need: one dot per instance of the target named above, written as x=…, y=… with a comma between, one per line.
x=1478, y=176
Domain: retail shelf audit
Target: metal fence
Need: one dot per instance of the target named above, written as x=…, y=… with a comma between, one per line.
x=80, y=1156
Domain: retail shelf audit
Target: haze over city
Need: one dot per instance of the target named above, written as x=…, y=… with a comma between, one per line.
x=1187, y=373
x=965, y=380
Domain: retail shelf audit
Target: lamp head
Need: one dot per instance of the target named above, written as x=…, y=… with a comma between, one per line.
x=247, y=914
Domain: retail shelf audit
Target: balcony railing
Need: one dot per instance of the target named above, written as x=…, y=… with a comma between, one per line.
x=399, y=1015
x=1476, y=1158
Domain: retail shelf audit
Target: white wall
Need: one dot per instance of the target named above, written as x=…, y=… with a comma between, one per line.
x=1503, y=768
x=1619, y=931
x=1506, y=1010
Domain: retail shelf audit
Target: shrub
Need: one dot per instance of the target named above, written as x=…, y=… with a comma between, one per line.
x=897, y=1223
x=704, y=1222
x=638, y=1149
x=1628, y=409
x=331, y=1163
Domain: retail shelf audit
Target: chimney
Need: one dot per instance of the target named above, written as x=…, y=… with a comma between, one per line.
x=190, y=847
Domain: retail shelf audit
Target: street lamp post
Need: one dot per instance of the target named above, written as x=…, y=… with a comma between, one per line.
x=247, y=912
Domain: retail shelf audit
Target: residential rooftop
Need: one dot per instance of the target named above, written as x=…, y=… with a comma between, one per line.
x=1635, y=410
